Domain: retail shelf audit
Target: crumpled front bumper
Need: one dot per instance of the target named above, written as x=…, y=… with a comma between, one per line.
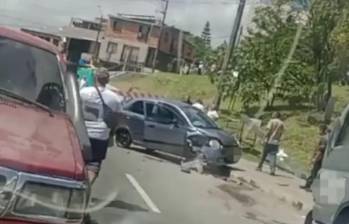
x=222, y=157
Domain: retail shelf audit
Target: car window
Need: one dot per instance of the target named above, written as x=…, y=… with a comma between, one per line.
x=343, y=136
x=149, y=108
x=137, y=107
x=32, y=73
x=161, y=114
x=198, y=118
x=165, y=114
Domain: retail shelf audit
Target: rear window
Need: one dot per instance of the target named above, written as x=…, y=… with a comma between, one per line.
x=32, y=73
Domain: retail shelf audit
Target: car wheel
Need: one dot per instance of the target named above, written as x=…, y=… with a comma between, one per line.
x=309, y=218
x=123, y=138
x=148, y=150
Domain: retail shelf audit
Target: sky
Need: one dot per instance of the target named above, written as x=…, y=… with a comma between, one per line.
x=190, y=15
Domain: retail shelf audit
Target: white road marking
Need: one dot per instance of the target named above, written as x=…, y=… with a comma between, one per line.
x=142, y=193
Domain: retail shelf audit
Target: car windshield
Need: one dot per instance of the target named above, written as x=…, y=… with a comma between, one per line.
x=32, y=73
x=198, y=118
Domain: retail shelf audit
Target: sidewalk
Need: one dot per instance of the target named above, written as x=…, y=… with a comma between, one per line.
x=284, y=186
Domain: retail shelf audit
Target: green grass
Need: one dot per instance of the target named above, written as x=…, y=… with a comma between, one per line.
x=341, y=93
x=300, y=137
x=170, y=85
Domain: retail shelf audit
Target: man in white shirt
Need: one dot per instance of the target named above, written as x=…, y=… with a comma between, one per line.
x=97, y=129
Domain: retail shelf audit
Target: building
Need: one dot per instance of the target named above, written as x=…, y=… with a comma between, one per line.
x=132, y=40
x=82, y=37
x=124, y=40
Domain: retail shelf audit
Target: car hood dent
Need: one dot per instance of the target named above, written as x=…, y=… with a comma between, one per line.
x=225, y=138
x=33, y=141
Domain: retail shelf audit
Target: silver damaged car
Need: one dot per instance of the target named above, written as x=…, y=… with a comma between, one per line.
x=176, y=128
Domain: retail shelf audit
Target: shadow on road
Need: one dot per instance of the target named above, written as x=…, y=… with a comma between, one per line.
x=158, y=156
x=216, y=171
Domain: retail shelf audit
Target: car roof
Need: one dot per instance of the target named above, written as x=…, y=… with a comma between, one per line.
x=163, y=100
x=28, y=39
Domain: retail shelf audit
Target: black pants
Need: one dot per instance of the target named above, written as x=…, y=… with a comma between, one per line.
x=99, y=153
x=272, y=150
x=315, y=170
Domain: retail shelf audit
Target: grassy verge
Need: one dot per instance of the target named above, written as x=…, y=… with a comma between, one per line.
x=300, y=137
x=170, y=85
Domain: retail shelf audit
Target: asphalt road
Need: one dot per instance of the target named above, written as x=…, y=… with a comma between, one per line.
x=142, y=188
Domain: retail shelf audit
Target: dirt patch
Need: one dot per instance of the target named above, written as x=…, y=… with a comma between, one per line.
x=237, y=192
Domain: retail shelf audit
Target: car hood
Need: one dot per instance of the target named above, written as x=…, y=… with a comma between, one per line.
x=224, y=137
x=33, y=141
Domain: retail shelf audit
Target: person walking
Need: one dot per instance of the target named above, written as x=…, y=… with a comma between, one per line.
x=275, y=130
x=317, y=157
x=97, y=101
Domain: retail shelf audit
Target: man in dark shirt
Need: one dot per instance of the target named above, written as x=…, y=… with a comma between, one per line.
x=318, y=156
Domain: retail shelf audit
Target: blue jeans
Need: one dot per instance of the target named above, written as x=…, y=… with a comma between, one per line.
x=272, y=150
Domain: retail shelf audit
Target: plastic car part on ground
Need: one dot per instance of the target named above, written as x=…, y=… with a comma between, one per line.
x=205, y=156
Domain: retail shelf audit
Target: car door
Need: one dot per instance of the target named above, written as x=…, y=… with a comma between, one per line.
x=165, y=129
x=329, y=188
x=134, y=116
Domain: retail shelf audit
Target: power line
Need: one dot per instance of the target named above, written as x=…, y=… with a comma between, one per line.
x=164, y=14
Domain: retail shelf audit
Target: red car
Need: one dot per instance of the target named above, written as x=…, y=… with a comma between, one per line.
x=43, y=139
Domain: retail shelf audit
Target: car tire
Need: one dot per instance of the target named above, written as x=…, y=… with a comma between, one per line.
x=123, y=138
x=309, y=218
x=148, y=150
x=343, y=218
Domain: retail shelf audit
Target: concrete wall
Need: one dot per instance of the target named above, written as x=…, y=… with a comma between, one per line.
x=115, y=56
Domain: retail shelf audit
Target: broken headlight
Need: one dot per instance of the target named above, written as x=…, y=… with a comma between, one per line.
x=215, y=144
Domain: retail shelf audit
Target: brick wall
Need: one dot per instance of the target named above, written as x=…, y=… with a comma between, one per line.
x=140, y=34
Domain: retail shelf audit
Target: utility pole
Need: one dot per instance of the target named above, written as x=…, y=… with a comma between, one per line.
x=100, y=28
x=164, y=15
x=179, y=52
x=229, y=51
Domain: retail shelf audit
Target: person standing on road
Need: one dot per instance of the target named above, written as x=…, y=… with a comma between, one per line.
x=95, y=99
x=318, y=156
x=275, y=130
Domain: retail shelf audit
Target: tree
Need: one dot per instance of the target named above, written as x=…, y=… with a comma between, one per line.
x=324, y=22
x=288, y=58
x=206, y=35
x=263, y=54
x=202, y=52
